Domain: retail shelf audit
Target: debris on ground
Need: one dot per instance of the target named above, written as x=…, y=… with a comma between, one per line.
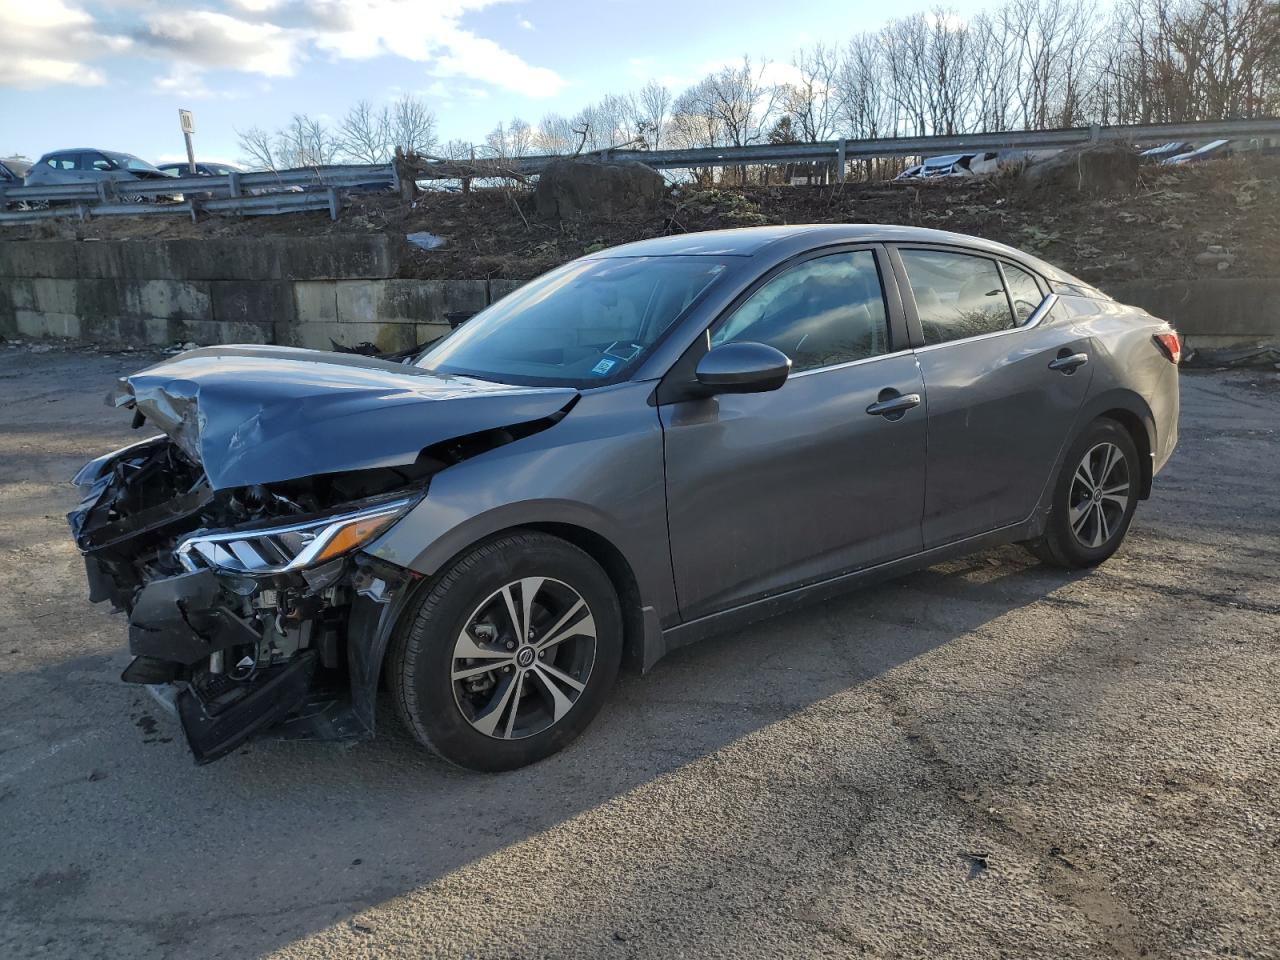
x=425, y=241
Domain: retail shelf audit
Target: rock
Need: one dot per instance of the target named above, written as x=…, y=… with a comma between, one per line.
x=1096, y=169
x=1215, y=255
x=574, y=189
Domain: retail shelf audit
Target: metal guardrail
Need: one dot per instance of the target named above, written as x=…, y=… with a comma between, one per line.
x=840, y=151
x=243, y=194
x=317, y=188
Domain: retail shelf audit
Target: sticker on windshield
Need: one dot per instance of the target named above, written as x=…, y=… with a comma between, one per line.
x=602, y=368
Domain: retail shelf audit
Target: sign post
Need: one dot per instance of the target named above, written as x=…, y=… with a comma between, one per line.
x=188, y=128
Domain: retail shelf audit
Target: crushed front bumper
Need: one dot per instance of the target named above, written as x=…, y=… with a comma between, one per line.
x=225, y=672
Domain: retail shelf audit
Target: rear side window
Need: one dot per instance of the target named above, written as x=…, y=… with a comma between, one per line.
x=820, y=313
x=1024, y=292
x=62, y=161
x=957, y=295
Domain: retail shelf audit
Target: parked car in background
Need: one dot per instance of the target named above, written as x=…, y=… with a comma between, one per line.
x=993, y=161
x=949, y=165
x=202, y=169
x=183, y=169
x=89, y=165
x=13, y=171
x=1214, y=150
x=1165, y=150
x=647, y=445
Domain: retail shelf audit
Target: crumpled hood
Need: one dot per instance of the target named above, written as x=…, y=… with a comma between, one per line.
x=254, y=414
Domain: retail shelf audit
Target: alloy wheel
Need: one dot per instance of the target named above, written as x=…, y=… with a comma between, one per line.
x=523, y=658
x=1099, y=496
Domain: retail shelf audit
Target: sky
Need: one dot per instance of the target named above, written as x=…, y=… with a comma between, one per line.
x=79, y=73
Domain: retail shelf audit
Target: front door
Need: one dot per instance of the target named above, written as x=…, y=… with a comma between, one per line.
x=1005, y=382
x=774, y=490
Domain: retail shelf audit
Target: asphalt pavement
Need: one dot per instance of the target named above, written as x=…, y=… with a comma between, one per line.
x=988, y=758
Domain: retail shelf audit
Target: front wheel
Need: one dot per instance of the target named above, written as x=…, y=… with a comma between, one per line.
x=510, y=654
x=1094, y=498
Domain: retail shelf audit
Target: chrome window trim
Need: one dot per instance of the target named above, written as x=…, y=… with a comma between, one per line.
x=849, y=363
x=1032, y=321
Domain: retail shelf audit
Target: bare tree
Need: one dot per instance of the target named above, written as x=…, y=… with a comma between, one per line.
x=554, y=134
x=654, y=104
x=257, y=148
x=365, y=133
x=306, y=142
x=813, y=100
x=412, y=126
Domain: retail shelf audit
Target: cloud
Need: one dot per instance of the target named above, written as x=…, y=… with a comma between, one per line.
x=51, y=42
x=526, y=24
x=206, y=40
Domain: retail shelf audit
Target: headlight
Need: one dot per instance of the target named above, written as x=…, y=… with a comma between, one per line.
x=290, y=547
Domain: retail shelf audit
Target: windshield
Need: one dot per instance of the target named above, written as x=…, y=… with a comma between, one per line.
x=587, y=323
x=130, y=162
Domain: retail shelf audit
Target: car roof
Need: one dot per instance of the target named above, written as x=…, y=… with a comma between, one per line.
x=749, y=241
x=109, y=153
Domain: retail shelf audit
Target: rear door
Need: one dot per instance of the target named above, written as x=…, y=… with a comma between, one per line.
x=769, y=491
x=1005, y=378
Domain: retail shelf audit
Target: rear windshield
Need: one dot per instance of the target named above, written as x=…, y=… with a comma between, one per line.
x=585, y=324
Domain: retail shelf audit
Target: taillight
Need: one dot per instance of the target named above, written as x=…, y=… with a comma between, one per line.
x=1169, y=345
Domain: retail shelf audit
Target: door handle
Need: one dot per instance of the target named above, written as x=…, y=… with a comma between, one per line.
x=893, y=405
x=1069, y=362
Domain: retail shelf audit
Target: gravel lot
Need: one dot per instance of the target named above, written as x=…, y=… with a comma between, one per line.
x=987, y=758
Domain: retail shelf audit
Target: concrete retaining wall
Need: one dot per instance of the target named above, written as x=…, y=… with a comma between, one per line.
x=300, y=292
x=1212, y=314
x=309, y=291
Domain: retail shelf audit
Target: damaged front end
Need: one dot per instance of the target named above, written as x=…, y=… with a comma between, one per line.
x=235, y=541
x=242, y=601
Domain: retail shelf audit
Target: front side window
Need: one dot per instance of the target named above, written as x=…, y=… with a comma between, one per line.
x=822, y=312
x=1024, y=292
x=957, y=295
x=95, y=161
x=584, y=324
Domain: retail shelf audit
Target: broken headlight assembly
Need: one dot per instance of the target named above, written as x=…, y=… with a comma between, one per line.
x=293, y=546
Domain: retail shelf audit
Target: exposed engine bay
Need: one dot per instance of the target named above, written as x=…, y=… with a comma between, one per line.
x=253, y=605
x=232, y=595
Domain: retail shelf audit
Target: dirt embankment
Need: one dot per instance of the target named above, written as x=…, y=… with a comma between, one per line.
x=1214, y=219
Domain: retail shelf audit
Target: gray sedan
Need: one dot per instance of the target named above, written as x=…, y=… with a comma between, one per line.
x=642, y=447
x=88, y=165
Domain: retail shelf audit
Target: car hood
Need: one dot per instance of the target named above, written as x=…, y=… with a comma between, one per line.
x=253, y=414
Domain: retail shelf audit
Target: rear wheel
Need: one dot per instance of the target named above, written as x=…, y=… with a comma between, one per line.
x=1094, y=498
x=510, y=654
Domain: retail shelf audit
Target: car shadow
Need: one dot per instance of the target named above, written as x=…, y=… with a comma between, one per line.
x=119, y=836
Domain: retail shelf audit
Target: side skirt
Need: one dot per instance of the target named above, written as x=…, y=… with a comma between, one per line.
x=767, y=607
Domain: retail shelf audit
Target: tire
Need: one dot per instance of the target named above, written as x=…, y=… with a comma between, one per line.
x=1083, y=530
x=534, y=700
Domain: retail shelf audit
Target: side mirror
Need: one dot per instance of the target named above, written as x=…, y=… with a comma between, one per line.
x=744, y=367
